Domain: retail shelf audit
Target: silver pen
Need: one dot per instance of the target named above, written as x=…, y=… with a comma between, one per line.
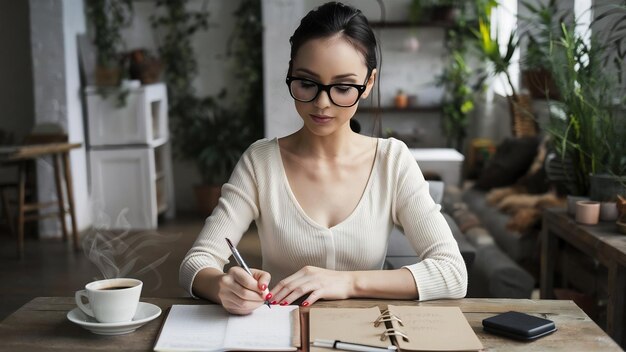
x=245, y=267
x=348, y=346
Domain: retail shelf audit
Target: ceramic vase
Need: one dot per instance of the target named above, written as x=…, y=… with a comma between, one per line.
x=587, y=212
x=608, y=211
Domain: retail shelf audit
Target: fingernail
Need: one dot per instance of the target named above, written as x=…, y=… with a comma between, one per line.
x=269, y=295
x=283, y=303
x=263, y=287
x=274, y=302
x=305, y=303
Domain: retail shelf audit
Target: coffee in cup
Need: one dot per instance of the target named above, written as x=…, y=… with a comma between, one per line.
x=111, y=300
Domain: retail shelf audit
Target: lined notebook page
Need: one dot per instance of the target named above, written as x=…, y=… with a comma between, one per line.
x=264, y=329
x=211, y=328
x=193, y=328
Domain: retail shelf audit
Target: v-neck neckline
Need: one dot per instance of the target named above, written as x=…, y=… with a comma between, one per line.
x=296, y=203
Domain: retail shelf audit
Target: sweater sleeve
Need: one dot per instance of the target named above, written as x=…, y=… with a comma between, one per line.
x=236, y=209
x=441, y=273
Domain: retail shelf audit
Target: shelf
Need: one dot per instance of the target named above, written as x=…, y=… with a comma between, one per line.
x=391, y=109
x=400, y=25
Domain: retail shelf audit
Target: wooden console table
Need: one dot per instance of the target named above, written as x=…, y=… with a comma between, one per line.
x=601, y=242
x=41, y=325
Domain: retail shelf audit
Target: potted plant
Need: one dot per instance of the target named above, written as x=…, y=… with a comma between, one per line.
x=206, y=130
x=458, y=99
x=523, y=122
x=107, y=18
x=144, y=66
x=214, y=137
x=540, y=28
x=586, y=125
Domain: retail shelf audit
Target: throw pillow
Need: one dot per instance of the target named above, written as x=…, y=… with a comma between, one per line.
x=511, y=161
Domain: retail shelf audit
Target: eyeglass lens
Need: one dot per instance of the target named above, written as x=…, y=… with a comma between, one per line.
x=340, y=95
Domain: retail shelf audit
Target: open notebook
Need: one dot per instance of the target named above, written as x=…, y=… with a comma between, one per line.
x=211, y=328
x=407, y=327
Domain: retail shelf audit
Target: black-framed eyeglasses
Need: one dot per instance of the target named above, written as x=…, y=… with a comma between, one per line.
x=340, y=94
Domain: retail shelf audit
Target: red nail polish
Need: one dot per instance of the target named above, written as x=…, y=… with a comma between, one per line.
x=268, y=297
x=305, y=303
x=263, y=287
x=283, y=303
x=274, y=302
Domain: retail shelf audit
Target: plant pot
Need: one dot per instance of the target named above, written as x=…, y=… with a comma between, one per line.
x=606, y=188
x=540, y=84
x=107, y=76
x=608, y=211
x=523, y=123
x=587, y=212
x=207, y=197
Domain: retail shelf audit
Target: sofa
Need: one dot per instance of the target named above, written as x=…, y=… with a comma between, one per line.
x=491, y=271
x=496, y=271
x=500, y=213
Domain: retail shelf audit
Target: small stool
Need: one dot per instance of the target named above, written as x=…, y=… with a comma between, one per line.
x=59, y=150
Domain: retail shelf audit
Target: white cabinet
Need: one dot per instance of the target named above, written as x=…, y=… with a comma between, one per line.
x=130, y=157
x=141, y=120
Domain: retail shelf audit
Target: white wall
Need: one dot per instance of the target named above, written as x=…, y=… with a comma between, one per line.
x=281, y=18
x=54, y=26
x=48, y=62
x=74, y=23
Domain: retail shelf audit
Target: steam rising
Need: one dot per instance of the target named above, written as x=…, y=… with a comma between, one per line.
x=125, y=253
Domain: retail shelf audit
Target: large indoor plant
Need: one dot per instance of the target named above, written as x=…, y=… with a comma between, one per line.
x=212, y=131
x=587, y=127
x=523, y=122
x=215, y=137
x=107, y=18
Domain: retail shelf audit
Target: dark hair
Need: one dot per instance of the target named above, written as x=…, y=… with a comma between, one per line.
x=333, y=18
x=330, y=19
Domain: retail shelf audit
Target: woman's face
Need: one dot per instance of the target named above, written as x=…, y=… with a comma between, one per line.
x=329, y=61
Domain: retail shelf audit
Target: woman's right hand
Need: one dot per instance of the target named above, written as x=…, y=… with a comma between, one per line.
x=241, y=293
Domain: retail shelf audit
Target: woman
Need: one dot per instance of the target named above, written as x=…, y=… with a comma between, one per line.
x=325, y=198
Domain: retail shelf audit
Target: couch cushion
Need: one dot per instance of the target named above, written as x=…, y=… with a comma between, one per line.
x=494, y=274
x=519, y=247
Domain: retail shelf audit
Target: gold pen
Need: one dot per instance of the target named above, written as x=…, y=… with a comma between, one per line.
x=245, y=267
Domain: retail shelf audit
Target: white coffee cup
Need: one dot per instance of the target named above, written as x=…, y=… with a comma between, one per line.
x=111, y=300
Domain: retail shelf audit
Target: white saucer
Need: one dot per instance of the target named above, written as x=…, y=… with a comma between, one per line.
x=145, y=313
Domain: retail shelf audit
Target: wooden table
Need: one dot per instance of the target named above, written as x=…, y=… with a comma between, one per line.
x=19, y=155
x=41, y=325
x=603, y=243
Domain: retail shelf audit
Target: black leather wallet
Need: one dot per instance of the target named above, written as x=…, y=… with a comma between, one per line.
x=519, y=326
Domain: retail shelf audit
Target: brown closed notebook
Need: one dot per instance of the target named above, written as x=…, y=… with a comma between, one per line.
x=410, y=328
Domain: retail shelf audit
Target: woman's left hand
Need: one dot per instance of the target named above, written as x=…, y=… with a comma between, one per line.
x=316, y=282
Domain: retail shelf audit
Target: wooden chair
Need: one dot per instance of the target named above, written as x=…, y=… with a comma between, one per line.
x=29, y=211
